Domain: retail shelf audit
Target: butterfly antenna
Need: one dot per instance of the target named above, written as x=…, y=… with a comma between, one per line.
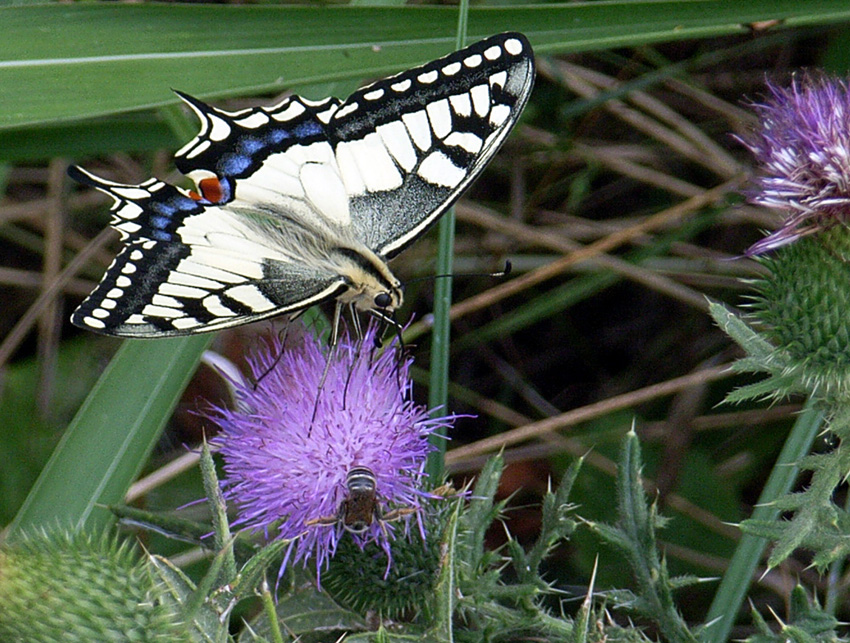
x=402, y=348
x=500, y=274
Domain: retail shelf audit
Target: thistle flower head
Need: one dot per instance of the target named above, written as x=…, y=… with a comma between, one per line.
x=299, y=459
x=803, y=146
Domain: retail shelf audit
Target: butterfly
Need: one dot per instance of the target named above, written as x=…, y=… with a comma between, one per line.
x=304, y=201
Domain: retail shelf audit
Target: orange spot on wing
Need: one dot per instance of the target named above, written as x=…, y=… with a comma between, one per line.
x=211, y=189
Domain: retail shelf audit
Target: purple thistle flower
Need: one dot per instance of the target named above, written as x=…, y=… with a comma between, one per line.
x=289, y=449
x=804, y=148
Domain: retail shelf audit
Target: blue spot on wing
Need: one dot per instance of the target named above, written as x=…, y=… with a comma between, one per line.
x=164, y=208
x=184, y=203
x=277, y=135
x=233, y=164
x=226, y=189
x=250, y=145
x=308, y=128
x=159, y=223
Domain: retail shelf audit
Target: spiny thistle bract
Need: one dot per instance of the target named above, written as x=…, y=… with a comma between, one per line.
x=288, y=451
x=803, y=307
x=73, y=587
x=357, y=577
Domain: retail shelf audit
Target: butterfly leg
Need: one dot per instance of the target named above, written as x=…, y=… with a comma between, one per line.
x=331, y=354
x=282, y=333
x=354, y=359
x=355, y=321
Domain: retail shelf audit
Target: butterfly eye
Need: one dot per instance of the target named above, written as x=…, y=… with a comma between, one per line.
x=383, y=300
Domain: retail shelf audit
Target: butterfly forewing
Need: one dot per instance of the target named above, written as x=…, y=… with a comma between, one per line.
x=304, y=201
x=408, y=145
x=275, y=159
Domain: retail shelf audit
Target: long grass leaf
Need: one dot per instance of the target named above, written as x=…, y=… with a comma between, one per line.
x=733, y=588
x=109, y=439
x=125, y=56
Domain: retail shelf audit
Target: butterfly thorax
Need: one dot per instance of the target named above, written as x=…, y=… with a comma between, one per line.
x=367, y=283
x=371, y=284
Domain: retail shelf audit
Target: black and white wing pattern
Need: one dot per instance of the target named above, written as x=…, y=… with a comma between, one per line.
x=304, y=201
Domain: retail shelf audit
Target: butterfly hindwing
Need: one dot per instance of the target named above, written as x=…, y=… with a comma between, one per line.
x=186, y=267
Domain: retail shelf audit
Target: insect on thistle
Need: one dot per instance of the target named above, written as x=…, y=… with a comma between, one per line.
x=361, y=507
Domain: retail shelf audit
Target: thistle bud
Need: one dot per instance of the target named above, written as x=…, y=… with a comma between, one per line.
x=802, y=305
x=73, y=587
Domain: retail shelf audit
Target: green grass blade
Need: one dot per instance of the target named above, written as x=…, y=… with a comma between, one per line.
x=111, y=436
x=125, y=56
x=733, y=588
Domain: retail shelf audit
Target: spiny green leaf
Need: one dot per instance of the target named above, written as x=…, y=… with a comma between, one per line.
x=555, y=525
x=743, y=334
x=634, y=536
x=807, y=623
x=223, y=541
x=446, y=589
x=480, y=512
x=207, y=625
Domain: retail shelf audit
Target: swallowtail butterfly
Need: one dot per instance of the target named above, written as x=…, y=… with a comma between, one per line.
x=304, y=201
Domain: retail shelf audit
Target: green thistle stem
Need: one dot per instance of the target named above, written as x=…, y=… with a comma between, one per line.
x=733, y=588
x=438, y=395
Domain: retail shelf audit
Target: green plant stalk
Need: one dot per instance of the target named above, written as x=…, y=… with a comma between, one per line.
x=733, y=588
x=271, y=613
x=438, y=393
